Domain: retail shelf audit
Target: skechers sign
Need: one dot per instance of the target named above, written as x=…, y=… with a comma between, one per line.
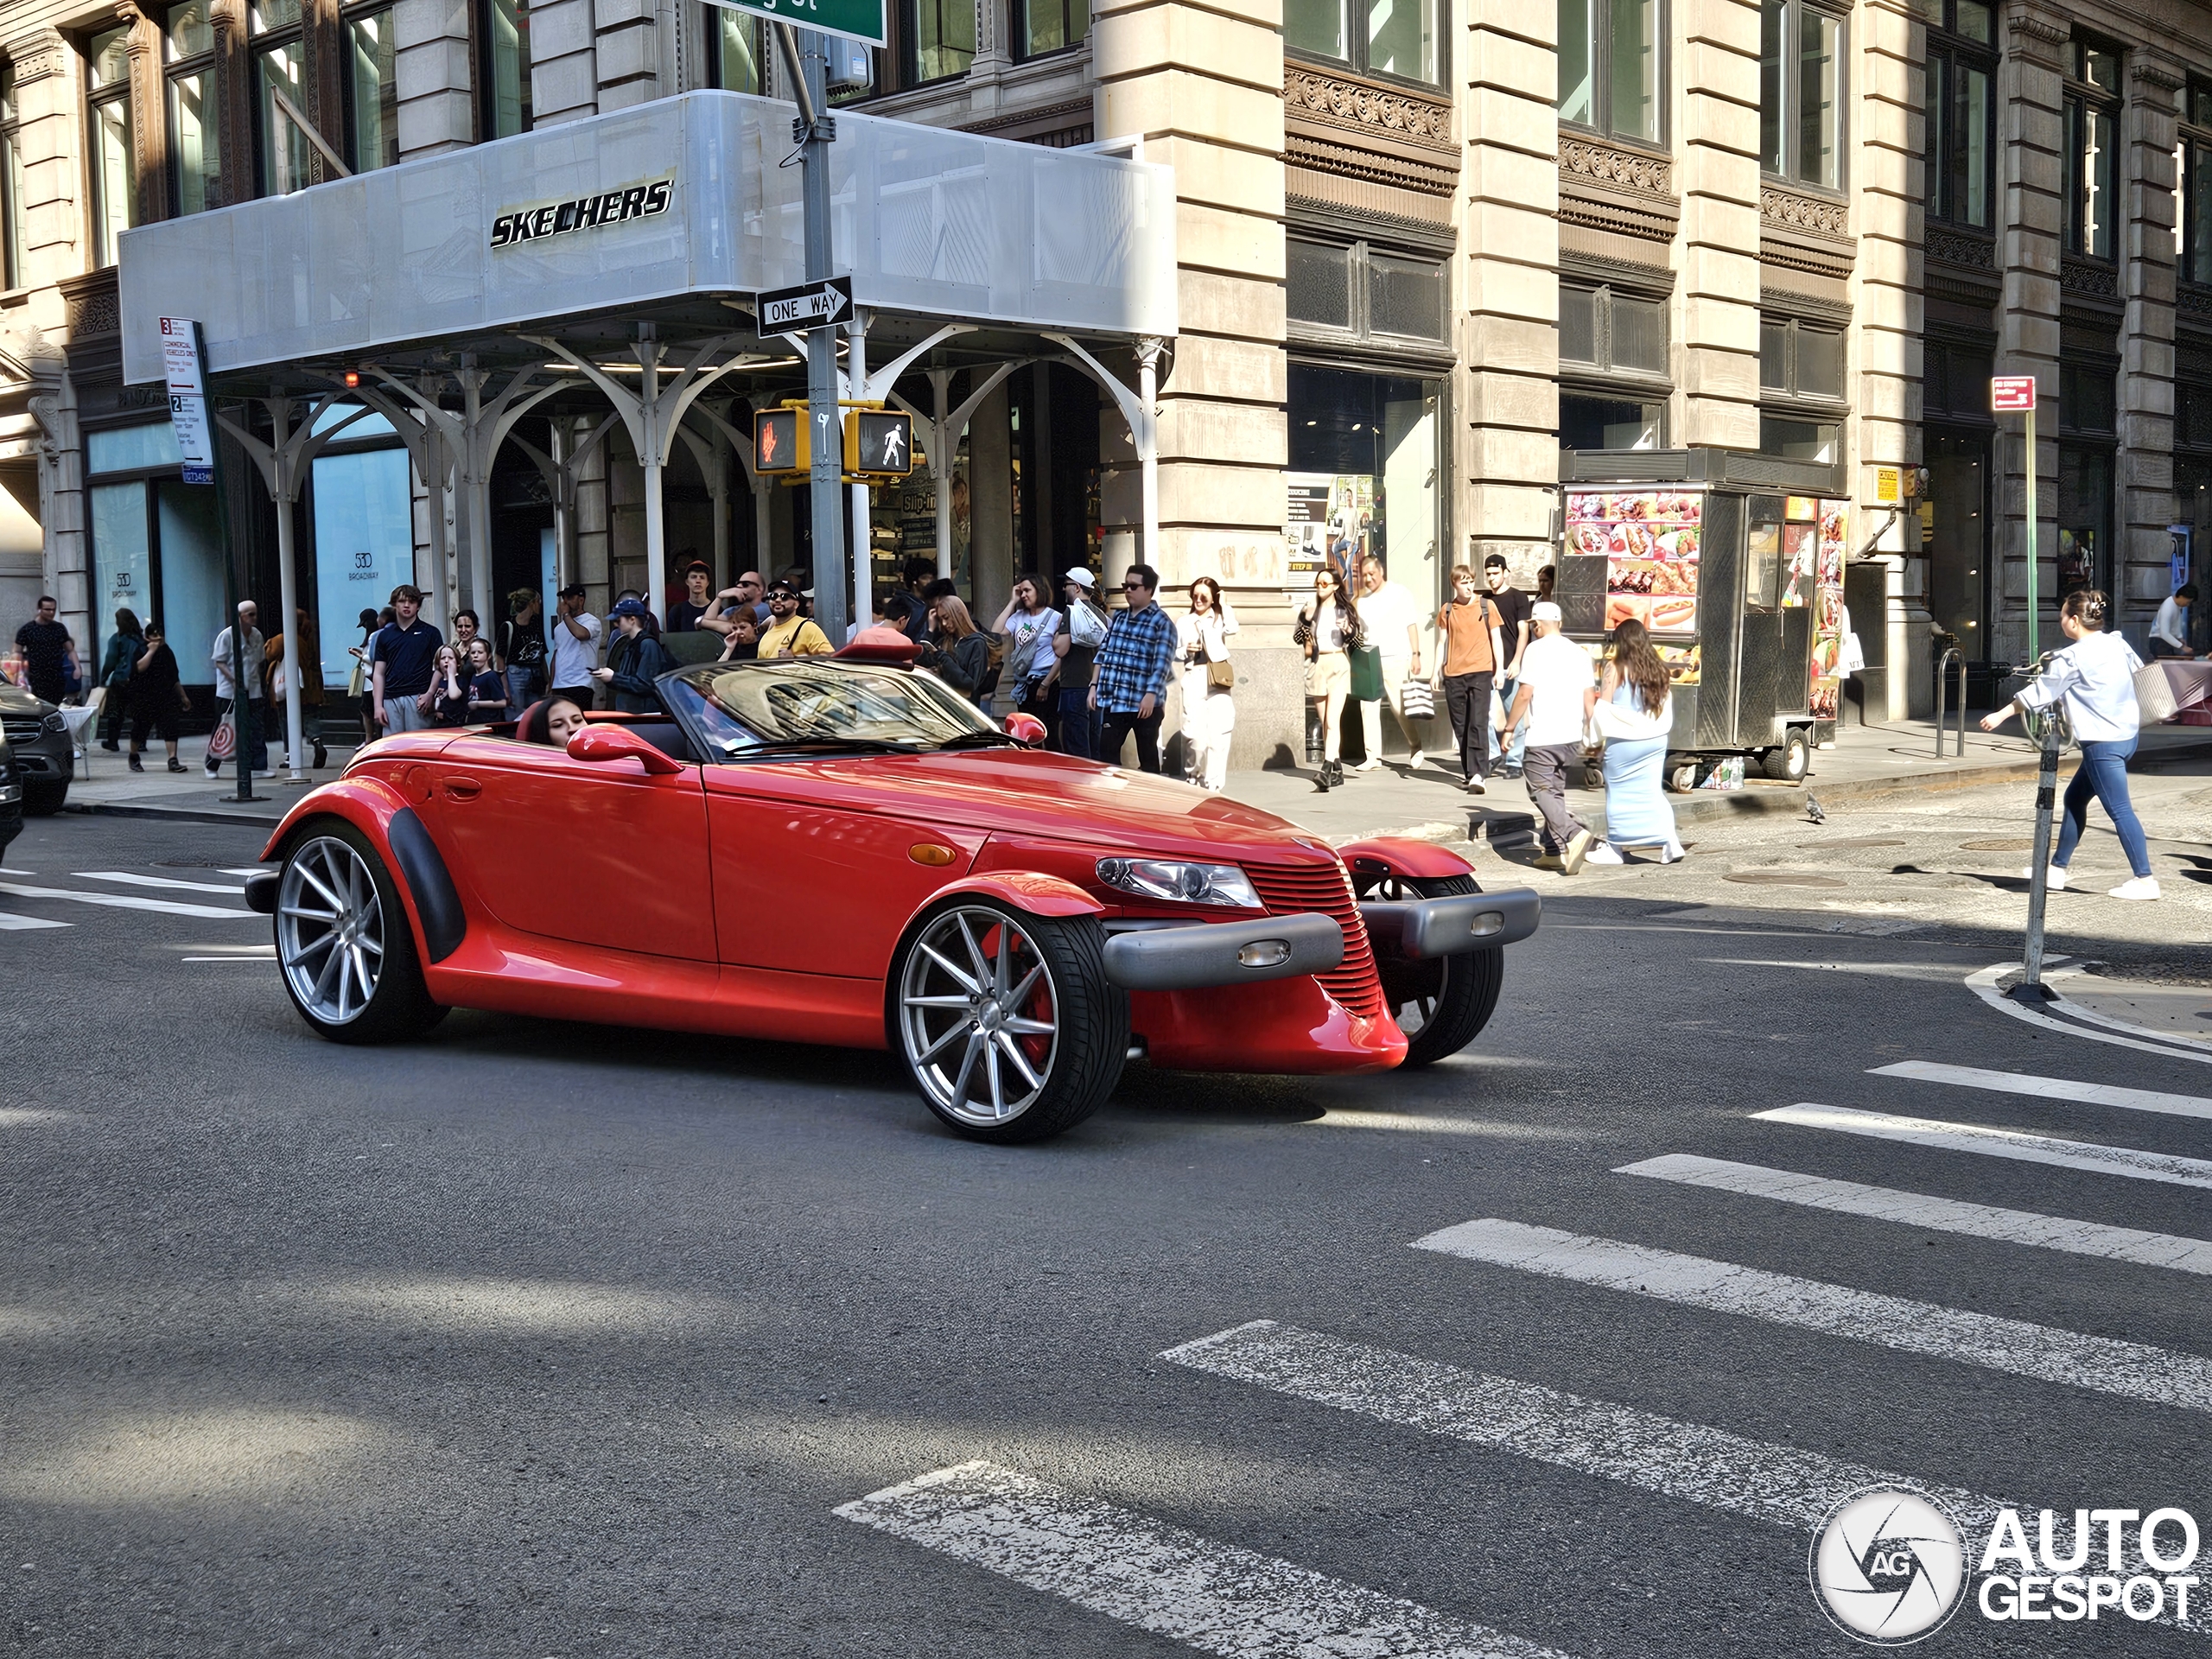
x=560, y=219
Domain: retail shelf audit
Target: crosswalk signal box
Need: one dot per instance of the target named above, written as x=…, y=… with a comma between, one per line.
x=779, y=445
x=879, y=443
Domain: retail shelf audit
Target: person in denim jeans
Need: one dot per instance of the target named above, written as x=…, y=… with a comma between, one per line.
x=2096, y=675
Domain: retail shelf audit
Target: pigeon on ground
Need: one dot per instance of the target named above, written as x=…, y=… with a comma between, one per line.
x=1814, y=809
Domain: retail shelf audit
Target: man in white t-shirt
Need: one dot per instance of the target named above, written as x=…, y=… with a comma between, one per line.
x=1392, y=628
x=1552, y=699
x=575, y=639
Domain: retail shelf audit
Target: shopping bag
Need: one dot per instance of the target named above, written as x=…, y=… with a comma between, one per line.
x=2154, y=694
x=223, y=742
x=1416, y=700
x=1366, y=673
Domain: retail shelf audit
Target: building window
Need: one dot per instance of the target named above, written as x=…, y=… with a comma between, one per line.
x=1049, y=25
x=1366, y=453
x=1609, y=67
x=1623, y=338
x=733, y=54
x=939, y=37
x=2091, y=199
x=188, y=90
x=371, y=91
x=506, y=65
x=107, y=82
x=1801, y=388
x=1363, y=293
x=2193, y=173
x=1382, y=37
x=282, y=163
x=1801, y=93
x=11, y=179
x=1961, y=113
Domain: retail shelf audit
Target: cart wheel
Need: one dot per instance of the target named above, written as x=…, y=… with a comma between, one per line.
x=1683, y=779
x=1789, y=763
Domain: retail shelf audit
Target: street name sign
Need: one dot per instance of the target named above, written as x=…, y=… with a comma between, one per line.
x=2011, y=391
x=810, y=305
x=856, y=20
x=195, y=438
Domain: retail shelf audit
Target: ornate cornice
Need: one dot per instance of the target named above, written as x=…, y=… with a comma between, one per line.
x=1373, y=111
x=2037, y=38
x=1632, y=273
x=2196, y=301
x=1624, y=169
x=1322, y=157
x=2158, y=76
x=1789, y=302
x=93, y=308
x=1815, y=215
x=1313, y=212
x=2088, y=278
x=36, y=55
x=1654, y=223
x=1041, y=112
x=1965, y=248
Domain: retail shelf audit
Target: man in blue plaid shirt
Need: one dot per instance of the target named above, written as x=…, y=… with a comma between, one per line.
x=1130, y=682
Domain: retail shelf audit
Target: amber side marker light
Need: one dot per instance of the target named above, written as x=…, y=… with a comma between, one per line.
x=924, y=852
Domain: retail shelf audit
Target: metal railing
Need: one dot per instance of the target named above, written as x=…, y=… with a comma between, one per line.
x=1942, y=664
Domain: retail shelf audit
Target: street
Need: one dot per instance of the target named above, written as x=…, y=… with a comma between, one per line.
x=547, y=1339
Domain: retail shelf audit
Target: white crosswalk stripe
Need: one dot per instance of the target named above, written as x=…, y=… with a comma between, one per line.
x=2000, y=1143
x=2016, y=1083
x=131, y=879
x=1938, y=1214
x=2102, y=1364
x=1218, y=1598
x=126, y=901
x=11, y=922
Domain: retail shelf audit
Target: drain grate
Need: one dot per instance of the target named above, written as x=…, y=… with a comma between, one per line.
x=2000, y=844
x=1781, y=879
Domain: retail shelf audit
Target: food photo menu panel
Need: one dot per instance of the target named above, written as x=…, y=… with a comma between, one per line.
x=1648, y=540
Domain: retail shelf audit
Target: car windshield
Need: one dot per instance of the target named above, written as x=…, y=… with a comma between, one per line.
x=740, y=708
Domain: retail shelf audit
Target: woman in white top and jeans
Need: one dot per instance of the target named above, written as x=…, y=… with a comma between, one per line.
x=1208, y=709
x=2096, y=676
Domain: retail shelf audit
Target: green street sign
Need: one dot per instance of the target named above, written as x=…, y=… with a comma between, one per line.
x=856, y=20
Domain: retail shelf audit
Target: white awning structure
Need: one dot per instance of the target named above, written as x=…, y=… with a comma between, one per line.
x=654, y=211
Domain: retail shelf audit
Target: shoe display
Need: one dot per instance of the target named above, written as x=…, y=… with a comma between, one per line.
x=1578, y=848
x=2143, y=887
x=2054, y=877
x=135, y=764
x=1605, y=853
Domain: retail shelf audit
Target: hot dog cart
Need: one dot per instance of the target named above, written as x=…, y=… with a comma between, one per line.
x=1734, y=561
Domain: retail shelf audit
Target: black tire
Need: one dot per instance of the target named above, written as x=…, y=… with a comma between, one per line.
x=1023, y=1002
x=327, y=925
x=1443, y=1003
x=43, y=800
x=1789, y=763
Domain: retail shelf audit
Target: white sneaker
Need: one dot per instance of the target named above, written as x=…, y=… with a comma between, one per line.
x=1415, y=760
x=1373, y=763
x=1673, y=853
x=2055, y=878
x=2143, y=887
x=1603, y=853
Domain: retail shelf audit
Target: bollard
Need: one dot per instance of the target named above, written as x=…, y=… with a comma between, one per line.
x=2051, y=738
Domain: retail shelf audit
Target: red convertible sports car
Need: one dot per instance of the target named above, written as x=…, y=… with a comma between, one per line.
x=843, y=850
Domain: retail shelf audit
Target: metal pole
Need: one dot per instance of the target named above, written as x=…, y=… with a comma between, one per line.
x=1148, y=447
x=2034, y=653
x=564, y=489
x=241, y=705
x=815, y=129
x=864, y=548
x=941, y=437
x=286, y=491
x=2031, y=988
x=656, y=533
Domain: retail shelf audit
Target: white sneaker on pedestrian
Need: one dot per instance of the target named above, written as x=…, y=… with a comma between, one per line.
x=1415, y=760
x=1603, y=853
x=2055, y=879
x=1475, y=786
x=1578, y=848
x=2142, y=886
x=1373, y=763
x=1673, y=853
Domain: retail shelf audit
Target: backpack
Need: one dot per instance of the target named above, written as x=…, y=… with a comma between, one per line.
x=1086, y=624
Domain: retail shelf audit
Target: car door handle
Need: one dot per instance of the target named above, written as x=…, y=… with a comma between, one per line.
x=462, y=789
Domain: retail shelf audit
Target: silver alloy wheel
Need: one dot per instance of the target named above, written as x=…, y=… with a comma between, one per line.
x=979, y=1016
x=330, y=930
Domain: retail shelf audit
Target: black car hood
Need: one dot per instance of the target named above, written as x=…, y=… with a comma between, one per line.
x=15, y=700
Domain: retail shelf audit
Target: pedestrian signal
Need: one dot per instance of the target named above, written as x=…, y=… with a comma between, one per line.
x=779, y=445
x=879, y=443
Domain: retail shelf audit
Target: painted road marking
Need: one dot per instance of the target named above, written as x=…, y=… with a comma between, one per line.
x=120, y=901
x=2019, y=1083
x=1710, y=1466
x=1998, y=1143
x=245, y=869
x=10, y=923
x=256, y=960
x=2102, y=1364
x=128, y=878
x=1938, y=1214
x=1217, y=1598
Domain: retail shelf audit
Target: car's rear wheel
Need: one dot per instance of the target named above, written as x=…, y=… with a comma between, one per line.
x=1006, y=1020
x=1441, y=1003
x=343, y=941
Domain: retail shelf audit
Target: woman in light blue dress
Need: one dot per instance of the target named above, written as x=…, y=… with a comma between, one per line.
x=1632, y=707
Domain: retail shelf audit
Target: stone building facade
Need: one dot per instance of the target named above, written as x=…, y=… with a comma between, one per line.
x=1425, y=245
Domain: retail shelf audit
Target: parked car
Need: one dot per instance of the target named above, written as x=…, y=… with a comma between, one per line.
x=843, y=850
x=11, y=797
x=44, y=758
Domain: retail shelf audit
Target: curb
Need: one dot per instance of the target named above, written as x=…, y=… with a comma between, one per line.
x=173, y=814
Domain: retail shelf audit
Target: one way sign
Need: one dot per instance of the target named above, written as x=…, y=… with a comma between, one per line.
x=810, y=305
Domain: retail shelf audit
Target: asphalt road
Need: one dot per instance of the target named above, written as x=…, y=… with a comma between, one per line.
x=544, y=1339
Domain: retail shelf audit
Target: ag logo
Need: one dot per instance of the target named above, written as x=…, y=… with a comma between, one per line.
x=1888, y=1566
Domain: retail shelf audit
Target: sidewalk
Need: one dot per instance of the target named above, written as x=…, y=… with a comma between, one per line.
x=192, y=795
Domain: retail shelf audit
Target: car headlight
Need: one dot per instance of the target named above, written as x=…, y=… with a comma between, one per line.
x=1178, y=882
x=53, y=722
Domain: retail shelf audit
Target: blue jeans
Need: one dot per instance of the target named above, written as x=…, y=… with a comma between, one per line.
x=521, y=683
x=2103, y=774
x=1078, y=722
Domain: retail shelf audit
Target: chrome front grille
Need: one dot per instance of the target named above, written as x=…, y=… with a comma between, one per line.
x=21, y=728
x=1296, y=889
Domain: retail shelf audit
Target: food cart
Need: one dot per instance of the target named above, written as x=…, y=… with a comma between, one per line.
x=1734, y=561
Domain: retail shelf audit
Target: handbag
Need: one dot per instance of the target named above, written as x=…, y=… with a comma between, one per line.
x=1086, y=624
x=1366, y=673
x=2154, y=694
x=1417, y=700
x=1221, y=676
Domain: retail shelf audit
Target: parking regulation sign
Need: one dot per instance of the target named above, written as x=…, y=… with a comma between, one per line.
x=195, y=438
x=2012, y=392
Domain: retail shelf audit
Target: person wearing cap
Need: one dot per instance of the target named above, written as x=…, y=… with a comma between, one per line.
x=1555, y=672
x=790, y=634
x=636, y=660
x=1078, y=733
x=575, y=647
x=1512, y=608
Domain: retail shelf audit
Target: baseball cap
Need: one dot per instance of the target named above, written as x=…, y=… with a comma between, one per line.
x=1081, y=577
x=629, y=608
x=1494, y=562
x=572, y=590
x=780, y=586
x=1544, y=611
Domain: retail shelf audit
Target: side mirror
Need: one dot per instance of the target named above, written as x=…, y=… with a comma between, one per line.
x=603, y=743
x=1027, y=728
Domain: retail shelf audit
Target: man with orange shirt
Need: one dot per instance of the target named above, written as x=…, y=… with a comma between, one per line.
x=1467, y=633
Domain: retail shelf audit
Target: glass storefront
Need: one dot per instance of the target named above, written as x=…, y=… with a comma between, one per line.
x=2084, y=517
x=1364, y=461
x=364, y=545
x=155, y=545
x=1956, y=515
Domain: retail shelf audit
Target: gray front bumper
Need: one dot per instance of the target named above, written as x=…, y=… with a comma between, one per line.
x=1453, y=926
x=1179, y=957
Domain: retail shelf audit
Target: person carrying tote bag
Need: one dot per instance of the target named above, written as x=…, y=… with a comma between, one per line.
x=1327, y=631
x=1209, y=682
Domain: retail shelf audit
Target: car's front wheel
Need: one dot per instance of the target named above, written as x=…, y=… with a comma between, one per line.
x=1006, y=1020
x=343, y=941
x=44, y=800
x=1441, y=1003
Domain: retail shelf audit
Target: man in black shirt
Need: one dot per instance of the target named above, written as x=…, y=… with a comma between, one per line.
x=684, y=618
x=1513, y=630
x=406, y=650
x=42, y=642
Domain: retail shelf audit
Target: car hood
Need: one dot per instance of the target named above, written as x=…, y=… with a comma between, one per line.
x=15, y=700
x=1029, y=792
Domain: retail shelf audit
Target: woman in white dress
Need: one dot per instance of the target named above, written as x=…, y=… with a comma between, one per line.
x=1209, y=682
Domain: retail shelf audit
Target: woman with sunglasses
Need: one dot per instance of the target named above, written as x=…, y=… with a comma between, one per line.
x=1328, y=630
x=1209, y=684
